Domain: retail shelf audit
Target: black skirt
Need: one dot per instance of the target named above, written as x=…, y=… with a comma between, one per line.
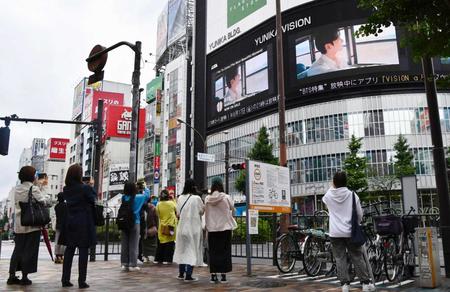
x=219, y=245
x=164, y=252
x=25, y=254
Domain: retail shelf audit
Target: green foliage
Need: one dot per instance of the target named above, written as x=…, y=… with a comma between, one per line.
x=264, y=231
x=403, y=164
x=261, y=151
x=425, y=23
x=355, y=166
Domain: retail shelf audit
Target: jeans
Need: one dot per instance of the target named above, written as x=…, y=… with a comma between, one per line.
x=340, y=247
x=82, y=264
x=188, y=269
x=130, y=247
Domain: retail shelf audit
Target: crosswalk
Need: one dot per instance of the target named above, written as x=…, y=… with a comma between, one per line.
x=327, y=279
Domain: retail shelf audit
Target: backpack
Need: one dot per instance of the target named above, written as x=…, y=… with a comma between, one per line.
x=125, y=217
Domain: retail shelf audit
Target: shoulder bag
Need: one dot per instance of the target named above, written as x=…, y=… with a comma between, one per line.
x=33, y=213
x=358, y=237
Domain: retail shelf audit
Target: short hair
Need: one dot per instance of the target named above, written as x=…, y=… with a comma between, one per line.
x=230, y=74
x=190, y=187
x=27, y=173
x=140, y=184
x=130, y=188
x=164, y=195
x=74, y=175
x=325, y=36
x=340, y=179
x=217, y=185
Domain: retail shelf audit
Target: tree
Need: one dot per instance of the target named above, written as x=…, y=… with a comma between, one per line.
x=403, y=164
x=261, y=151
x=355, y=166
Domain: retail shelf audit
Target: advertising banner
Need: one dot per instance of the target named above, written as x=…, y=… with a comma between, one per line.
x=118, y=175
x=323, y=60
x=57, y=148
x=161, y=33
x=91, y=102
x=229, y=19
x=118, y=122
x=176, y=24
x=268, y=187
x=152, y=88
x=77, y=106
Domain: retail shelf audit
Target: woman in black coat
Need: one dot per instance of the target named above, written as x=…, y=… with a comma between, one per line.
x=78, y=229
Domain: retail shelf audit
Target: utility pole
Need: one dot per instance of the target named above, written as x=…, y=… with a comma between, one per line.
x=439, y=159
x=284, y=221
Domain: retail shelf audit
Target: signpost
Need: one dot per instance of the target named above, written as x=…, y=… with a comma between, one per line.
x=267, y=190
x=206, y=157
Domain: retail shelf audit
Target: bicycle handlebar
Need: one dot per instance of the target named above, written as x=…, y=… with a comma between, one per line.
x=375, y=204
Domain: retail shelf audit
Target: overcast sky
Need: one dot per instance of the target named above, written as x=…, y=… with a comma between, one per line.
x=43, y=47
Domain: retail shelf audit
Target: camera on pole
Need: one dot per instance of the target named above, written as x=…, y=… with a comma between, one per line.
x=97, y=63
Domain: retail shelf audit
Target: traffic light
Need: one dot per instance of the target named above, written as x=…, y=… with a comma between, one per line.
x=238, y=166
x=4, y=140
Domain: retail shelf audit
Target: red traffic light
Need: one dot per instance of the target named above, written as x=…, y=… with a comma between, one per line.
x=238, y=166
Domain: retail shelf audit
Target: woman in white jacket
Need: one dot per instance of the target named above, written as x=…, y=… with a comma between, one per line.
x=219, y=221
x=189, y=238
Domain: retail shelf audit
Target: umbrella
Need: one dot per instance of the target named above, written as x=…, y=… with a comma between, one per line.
x=47, y=241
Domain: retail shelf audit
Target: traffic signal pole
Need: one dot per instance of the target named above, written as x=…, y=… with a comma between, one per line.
x=227, y=166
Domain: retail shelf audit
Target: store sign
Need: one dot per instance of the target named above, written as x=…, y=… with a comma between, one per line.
x=118, y=175
x=152, y=88
x=268, y=187
x=118, y=122
x=58, y=148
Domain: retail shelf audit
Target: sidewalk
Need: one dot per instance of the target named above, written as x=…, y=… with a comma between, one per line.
x=106, y=276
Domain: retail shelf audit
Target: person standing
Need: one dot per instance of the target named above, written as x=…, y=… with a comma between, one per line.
x=60, y=212
x=339, y=201
x=189, y=240
x=151, y=233
x=26, y=238
x=130, y=238
x=219, y=221
x=167, y=221
x=78, y=230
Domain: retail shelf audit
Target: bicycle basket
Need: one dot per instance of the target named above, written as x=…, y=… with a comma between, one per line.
x=410, y=223
x=388, y=225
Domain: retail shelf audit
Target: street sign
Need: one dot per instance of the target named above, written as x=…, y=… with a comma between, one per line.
x=206, y=157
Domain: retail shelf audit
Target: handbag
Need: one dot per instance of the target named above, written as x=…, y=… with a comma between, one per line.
x=358, y=237
x=33, y=213
x=98, y=215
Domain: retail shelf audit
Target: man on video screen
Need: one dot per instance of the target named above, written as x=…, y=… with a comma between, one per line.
x=233, y=80
x=329, y=43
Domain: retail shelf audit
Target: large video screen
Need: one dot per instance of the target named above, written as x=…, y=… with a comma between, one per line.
x=323, y=60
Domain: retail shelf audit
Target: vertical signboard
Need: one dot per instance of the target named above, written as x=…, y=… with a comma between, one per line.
x=176, y=24
x=77, y=106
x=152, y=88
x=161, y=33
x=57, y=148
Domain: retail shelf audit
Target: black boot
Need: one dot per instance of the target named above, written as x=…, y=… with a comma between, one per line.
x=13, y=280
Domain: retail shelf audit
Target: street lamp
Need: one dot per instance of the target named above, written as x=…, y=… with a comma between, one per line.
x=195, y=130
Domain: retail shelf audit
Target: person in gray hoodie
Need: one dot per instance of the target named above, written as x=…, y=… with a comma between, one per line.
x=339, y=201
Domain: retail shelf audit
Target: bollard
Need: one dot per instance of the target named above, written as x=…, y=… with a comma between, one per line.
x=429, y=263
x=107, y=236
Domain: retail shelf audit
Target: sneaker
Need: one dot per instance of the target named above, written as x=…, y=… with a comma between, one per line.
x=13, y=281
x=214, y=279
x=190, y=279
x=223, y=278
x=134, y=269
x=180, y=277
x=368, y=287
x=345, y=288
x=166, y=263
x=124, y=268
x=25, y=282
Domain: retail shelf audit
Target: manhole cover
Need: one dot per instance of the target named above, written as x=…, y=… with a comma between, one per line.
x=265, y=284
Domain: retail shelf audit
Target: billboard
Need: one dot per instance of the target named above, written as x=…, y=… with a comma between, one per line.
x=118, y=122
x=323, y=60
x=161, y=33
x=153, y=87
x=90, y=109
x=118, y=175
x=176, y=21
x=226, y=20
x=77, y=106
x=57, y=148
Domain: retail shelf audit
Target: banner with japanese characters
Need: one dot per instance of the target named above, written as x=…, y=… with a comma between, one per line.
x=57, y=148
x=118, y=175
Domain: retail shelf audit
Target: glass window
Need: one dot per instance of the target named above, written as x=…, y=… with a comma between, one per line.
x=256, y=74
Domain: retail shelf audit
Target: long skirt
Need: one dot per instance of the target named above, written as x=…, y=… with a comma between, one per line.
x=219, y=244
x=25, y=254
x=149, y=246
x=164, y=252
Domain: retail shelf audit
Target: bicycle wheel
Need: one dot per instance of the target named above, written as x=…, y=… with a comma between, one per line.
x=409, y=258
x=391, y=253
x=311, y=260
x=376, y=260
x=286, y=251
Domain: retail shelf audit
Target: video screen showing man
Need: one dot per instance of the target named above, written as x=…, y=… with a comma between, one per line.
x=330, y=44
x=234, y=90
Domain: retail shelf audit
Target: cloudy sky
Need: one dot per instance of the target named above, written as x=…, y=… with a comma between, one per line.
x=44, y=45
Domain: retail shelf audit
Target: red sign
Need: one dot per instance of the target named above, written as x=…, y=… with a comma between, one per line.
x=157, y=163
x=118, y=122
x=91, y=102
x=57, y=148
